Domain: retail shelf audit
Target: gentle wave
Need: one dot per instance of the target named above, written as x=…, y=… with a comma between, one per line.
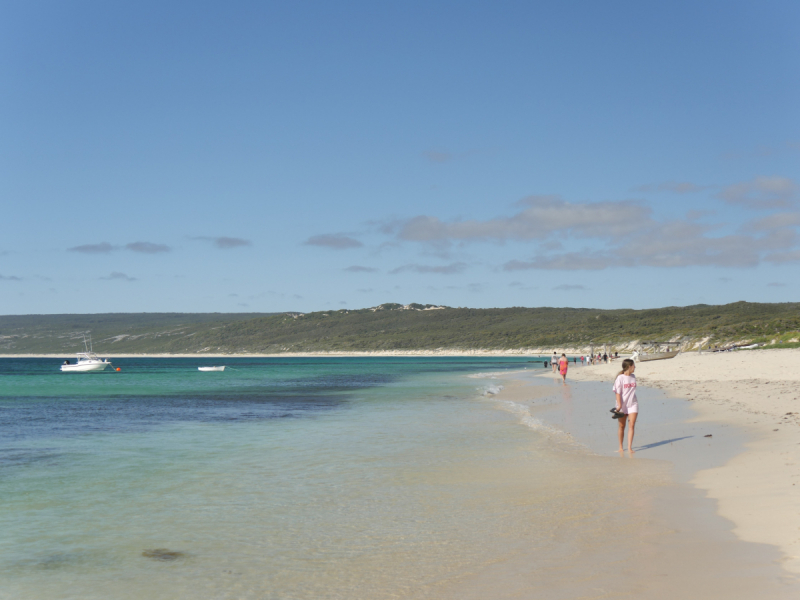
x=527, y=419
x=491, y=390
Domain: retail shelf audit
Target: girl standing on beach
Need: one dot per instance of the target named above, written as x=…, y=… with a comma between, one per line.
x=563, y=365
x=627, y=406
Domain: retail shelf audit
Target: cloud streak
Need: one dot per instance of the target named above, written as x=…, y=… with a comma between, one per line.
x=541, y=217
x=619, y=234
x=101, y=248
x=451, y=269
x=334, y=241
x=117, y=276
x=223, y=242
x=10, y=278
x=438, y=156
x=147, y=247
x=675, y=187
x=106, y=248
x=570, y=287
x=761, y=192
x=360, y=269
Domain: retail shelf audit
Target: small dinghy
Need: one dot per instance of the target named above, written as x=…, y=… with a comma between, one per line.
x=211, y=368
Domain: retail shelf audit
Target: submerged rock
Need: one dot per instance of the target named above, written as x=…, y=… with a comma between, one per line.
x=163, y=554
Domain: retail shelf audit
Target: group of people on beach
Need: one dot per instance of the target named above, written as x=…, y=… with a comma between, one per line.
x=626, y=406
x=558, y=364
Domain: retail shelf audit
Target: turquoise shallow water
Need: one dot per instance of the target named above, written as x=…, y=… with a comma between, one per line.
x=333, y=478
x=283, y=471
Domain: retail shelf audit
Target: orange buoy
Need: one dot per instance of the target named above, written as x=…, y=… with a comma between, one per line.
x=118, y=369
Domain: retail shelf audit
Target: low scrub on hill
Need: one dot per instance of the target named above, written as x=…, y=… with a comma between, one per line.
x=397, y=327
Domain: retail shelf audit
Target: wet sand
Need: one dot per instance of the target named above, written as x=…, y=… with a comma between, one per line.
x=757, y=392
x=662, y=534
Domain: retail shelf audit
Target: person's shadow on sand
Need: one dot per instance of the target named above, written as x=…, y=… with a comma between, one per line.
x=657, y=444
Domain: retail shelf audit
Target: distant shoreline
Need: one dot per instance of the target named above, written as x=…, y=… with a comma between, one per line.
x=377, y=353
x=534, y=353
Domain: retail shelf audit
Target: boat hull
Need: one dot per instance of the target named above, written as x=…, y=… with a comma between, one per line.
x=207, y=369
x=85, y=368
x=657, y=356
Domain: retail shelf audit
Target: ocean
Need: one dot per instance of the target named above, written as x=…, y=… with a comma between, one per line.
x=303, y=478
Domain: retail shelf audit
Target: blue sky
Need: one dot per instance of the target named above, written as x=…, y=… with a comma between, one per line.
x=271, y=156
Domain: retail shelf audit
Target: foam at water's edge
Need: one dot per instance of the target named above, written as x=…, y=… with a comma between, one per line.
x=491, y=390
x=527, y=419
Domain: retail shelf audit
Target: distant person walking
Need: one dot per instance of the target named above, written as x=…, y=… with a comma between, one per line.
x=563, y=365
x=626, y=408
x=554, y=362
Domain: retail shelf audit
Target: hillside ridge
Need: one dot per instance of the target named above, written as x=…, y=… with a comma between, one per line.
x=398, y=327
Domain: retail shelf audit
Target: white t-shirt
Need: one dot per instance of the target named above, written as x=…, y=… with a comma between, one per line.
x=625, y=386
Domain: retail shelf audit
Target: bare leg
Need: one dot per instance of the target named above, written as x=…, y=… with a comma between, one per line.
x=631, y=431
x=622, y=421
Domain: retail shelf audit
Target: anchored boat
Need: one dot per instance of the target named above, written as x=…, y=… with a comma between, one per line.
x=87, y=362
x=211, y=368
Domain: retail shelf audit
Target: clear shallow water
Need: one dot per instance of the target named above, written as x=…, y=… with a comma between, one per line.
x=311, y=478
x=269, y=475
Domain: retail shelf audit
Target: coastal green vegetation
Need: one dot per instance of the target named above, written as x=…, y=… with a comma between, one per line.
x=394, y=327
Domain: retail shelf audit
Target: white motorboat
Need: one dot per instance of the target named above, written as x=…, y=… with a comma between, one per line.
x=222, y=368
x=87, y=362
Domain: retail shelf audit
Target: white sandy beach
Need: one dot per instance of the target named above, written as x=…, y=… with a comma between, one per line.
x=758, y=392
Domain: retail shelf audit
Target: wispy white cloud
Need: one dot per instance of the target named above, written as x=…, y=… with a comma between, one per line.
x=764, y=151
x=117, y=276
x=335, y=241
x=223, y=242
x=10, y=278
x=542, y=217
x=773, y=221
x=670, y=245
x=107, y=248
x=570, y=287
x=101, y=248
x=359, y=269
x=676, y=187
x=761, y=192
x=776, y=284
x=438, y=156
x=147, y=247
x=783, y=258
x=621, y=233
x=450, y=269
